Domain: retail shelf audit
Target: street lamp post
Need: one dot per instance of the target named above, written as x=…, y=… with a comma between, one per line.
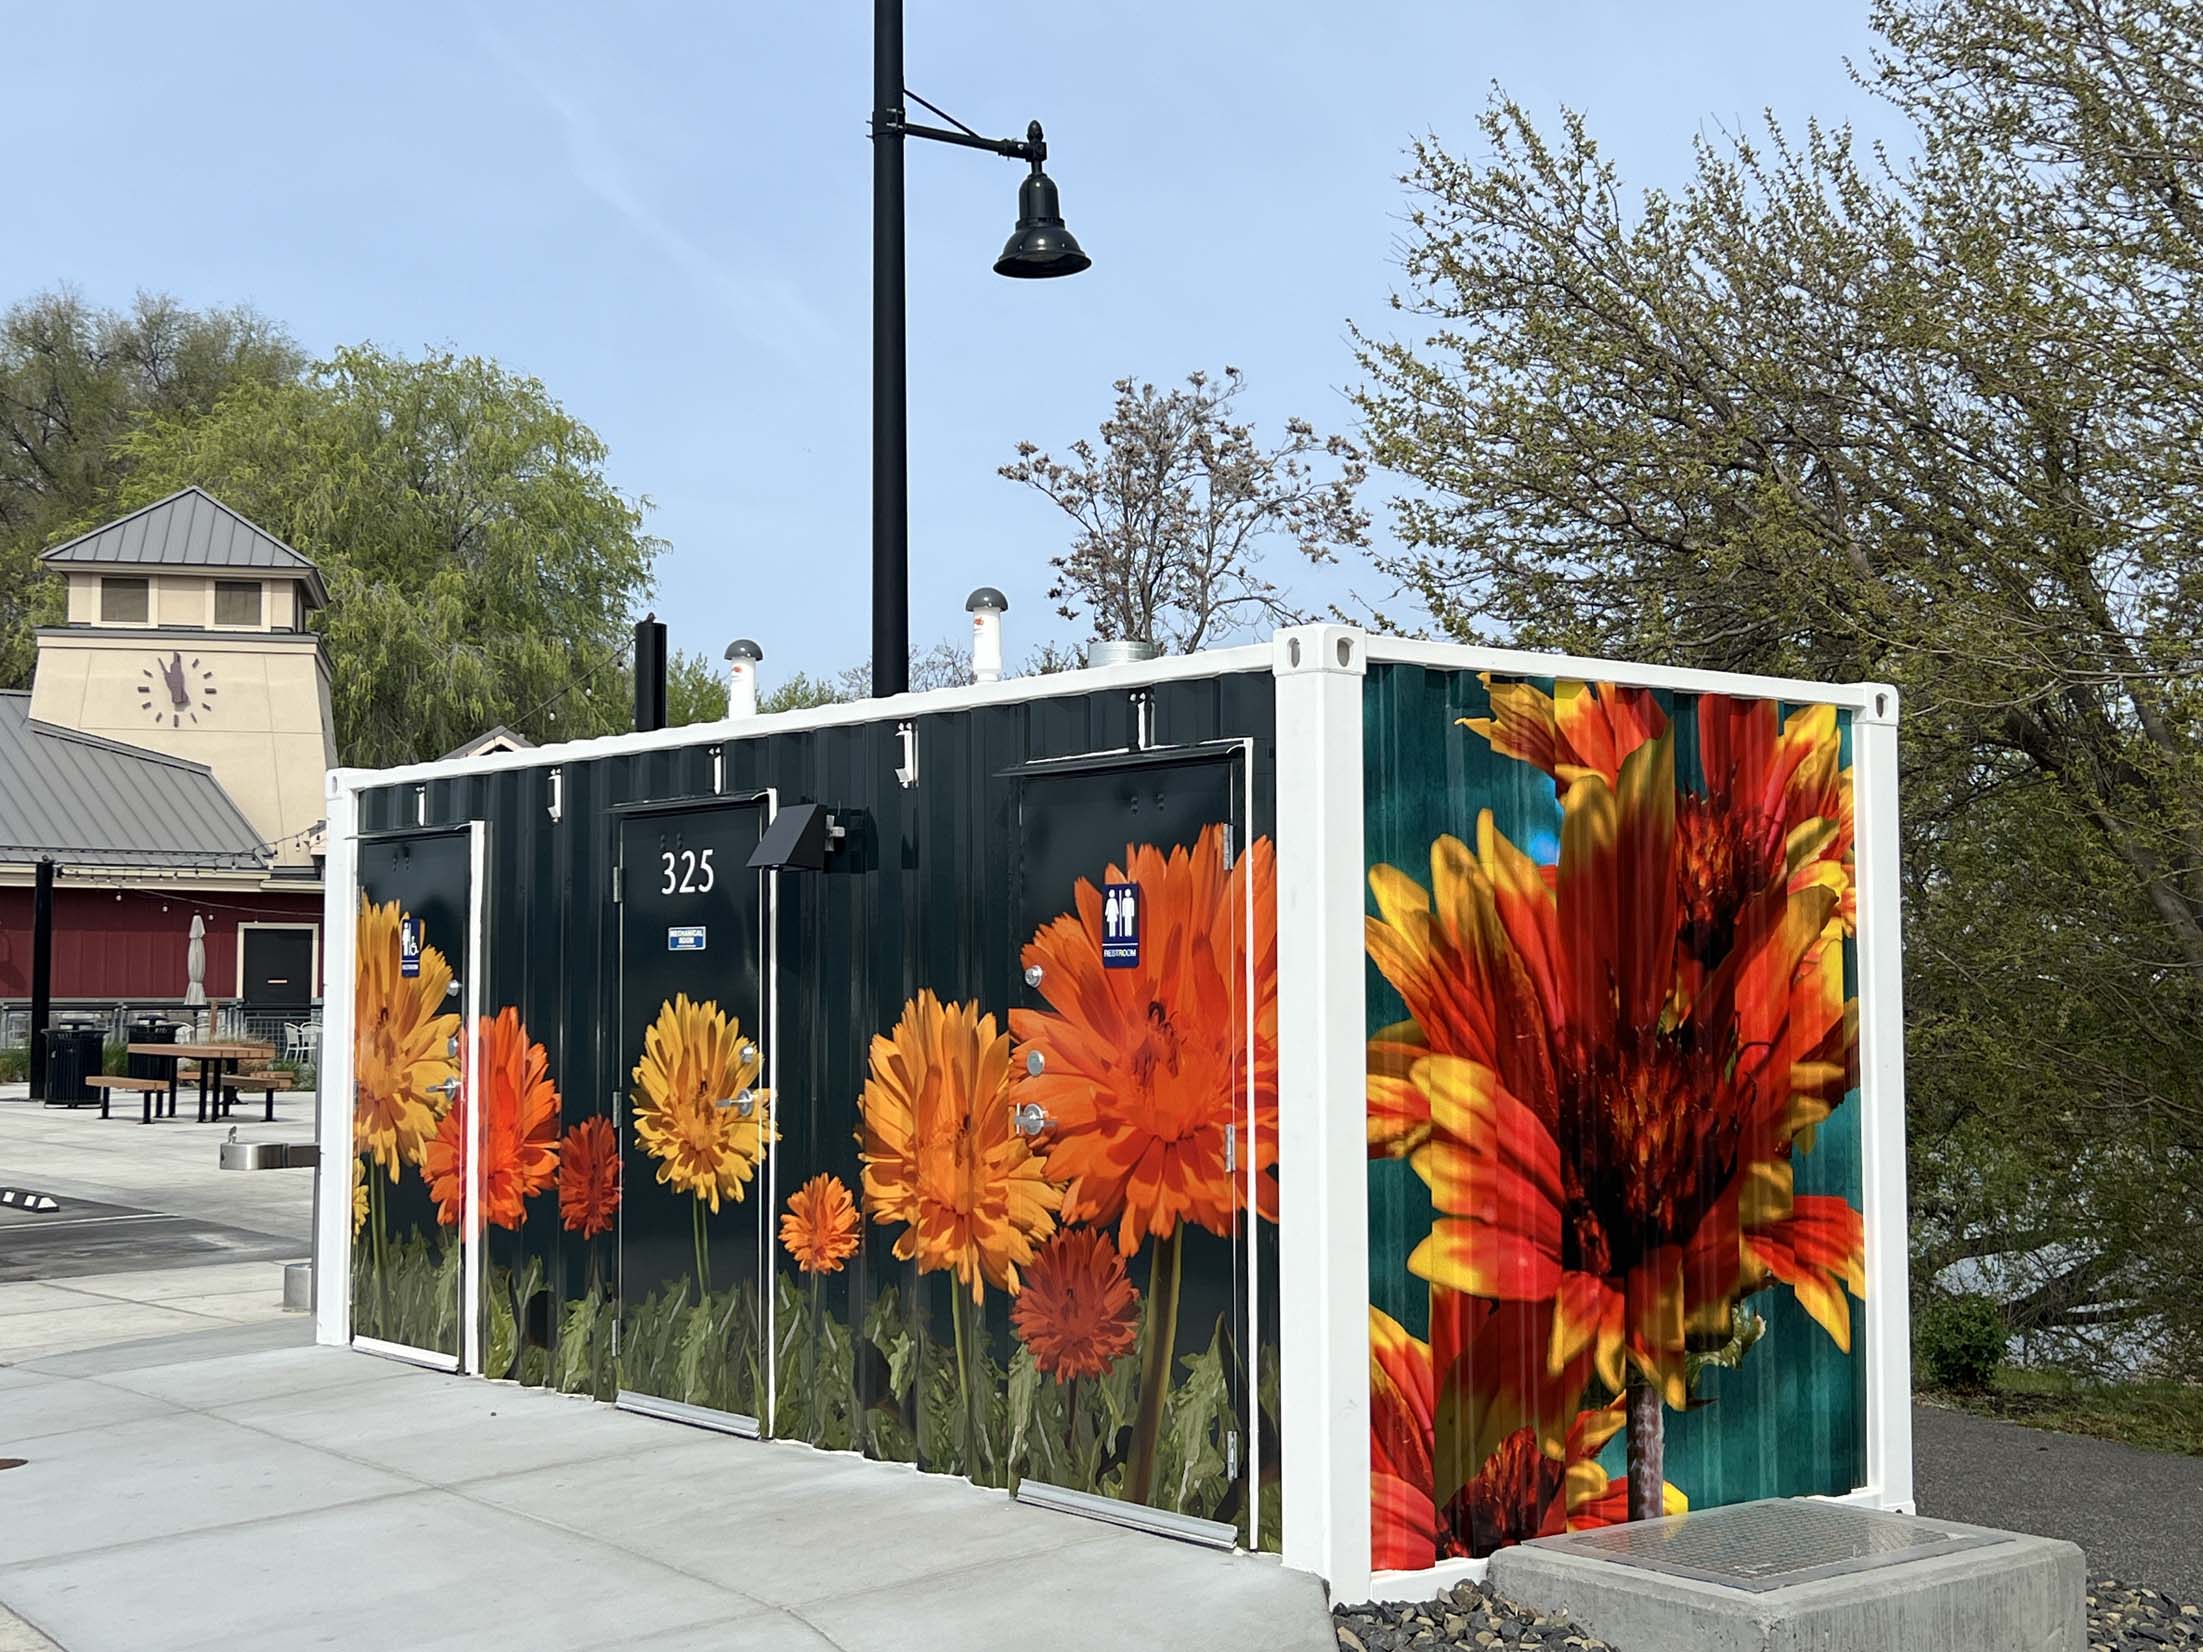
x=1038, y=248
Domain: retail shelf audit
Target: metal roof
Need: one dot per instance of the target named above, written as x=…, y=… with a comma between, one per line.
x=188, y=529
x=94, y=802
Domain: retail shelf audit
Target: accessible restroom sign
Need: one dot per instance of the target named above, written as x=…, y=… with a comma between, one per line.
x=1120, y=926
x=409, y=947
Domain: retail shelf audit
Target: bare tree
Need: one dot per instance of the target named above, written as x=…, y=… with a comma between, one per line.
x=1176, y=504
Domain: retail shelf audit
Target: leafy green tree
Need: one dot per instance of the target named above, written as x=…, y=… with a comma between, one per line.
x=482, y=567
x=695, y=690
x=1935, y=423
x=73, y=381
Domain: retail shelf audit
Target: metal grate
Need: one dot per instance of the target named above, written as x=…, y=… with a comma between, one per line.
x=1770, y=1545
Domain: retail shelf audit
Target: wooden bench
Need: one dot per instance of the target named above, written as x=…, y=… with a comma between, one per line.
x=152, y=1090
x=272, y=1082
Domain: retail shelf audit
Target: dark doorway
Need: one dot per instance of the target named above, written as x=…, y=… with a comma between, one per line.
x=279, y=966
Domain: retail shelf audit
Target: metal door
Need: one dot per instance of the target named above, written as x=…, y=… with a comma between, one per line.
x=278, y=965
x=1133, y=1042
x=416, y=1264
x=696, y=1118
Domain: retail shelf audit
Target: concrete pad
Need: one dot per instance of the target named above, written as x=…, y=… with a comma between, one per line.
x=2011, y=1594
x=166, y=1284
x=158, y=1476
x=444, y=1429
x=25, y=1296
x=423, y=1572
x=237, y=1379
x=208, y=1339
x=1127, y=1590
x=98, y=1322
x=61, y=1406
x=18, y=1636
x=237, y=1307
x=812, y=1500
x=773, y=1631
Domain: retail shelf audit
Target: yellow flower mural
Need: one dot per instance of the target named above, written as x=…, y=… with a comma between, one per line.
x=696, y=1073
x=403, y=1043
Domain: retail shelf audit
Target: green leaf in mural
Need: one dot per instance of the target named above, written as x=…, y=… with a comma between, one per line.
x=1197, y=1415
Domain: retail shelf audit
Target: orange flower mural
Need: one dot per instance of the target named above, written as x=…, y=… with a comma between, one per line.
x=1144, y=1068
x=1518, y=1491
x=589, y=1177
x=519, y=1130
x=403, y=1042
x=939, y=1152
x=820, y=1226
x=1611, y=1062
x=1078, y=1312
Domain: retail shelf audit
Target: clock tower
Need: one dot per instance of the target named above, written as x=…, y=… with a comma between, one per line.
x=187, y=635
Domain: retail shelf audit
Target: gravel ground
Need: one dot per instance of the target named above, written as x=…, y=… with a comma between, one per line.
x=1464, y=1616
x=2121, y=1618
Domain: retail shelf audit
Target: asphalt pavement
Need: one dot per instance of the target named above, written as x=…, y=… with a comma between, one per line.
x=2137, y=1515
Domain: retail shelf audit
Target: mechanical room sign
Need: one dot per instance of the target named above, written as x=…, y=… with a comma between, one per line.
x=1121, y=926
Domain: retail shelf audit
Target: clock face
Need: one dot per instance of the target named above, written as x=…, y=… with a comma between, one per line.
x=174, y=691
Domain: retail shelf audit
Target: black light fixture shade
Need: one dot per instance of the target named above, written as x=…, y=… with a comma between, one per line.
x=1040, y=247
x=794, y=842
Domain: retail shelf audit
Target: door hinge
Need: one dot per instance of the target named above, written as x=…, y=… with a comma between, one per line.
x=1230, y=854
x=619, y=881
x=616, y=1344
x=1231, y=1148
x=1231, y=1450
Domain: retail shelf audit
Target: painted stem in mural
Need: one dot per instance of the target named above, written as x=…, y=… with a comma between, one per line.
x=1647, y=1450
x=1160, y=1335
x=965, y=1397
x=1071, y=1424
x=810, y=1364
x=703, y=1253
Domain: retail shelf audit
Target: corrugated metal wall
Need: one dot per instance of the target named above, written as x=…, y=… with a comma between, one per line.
x=1612, y=1006
x=918, y=899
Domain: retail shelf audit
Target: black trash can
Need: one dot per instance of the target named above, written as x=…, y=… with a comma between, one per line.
x=151, y=1029
x=75, y=1051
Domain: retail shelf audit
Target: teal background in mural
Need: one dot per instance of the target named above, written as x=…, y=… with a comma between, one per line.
x=1790, y=1420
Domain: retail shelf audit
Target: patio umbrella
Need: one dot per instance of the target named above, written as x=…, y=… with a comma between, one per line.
x=195, y=963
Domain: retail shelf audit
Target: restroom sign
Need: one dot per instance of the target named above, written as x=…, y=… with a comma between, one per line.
x=1121, y=925
x=409, y=946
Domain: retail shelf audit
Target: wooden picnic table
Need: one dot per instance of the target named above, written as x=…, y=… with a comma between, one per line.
x=212, y=1058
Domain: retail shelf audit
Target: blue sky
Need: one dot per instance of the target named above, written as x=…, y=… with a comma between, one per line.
x=664, y=213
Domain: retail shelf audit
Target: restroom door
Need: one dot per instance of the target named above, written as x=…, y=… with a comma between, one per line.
x=1133, y=1041
x=695, y=1115
x=415, y=1270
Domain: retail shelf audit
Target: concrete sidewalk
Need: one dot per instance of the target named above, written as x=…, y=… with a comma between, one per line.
x=239, y=1489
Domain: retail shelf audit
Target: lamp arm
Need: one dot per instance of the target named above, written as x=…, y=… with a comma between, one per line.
x=890, y=123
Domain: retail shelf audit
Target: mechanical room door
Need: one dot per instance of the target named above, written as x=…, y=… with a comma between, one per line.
x=695, y=1116
x=415, y=1275
x=1130, y=949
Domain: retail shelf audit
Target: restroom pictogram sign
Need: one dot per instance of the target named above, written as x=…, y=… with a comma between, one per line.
x=1120, y=925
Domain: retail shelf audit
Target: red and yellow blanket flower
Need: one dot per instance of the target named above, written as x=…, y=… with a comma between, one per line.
x=1609, y=1063
x=1515, y=1492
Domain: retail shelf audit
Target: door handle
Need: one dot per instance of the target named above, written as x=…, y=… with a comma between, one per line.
x=449, y=1087
x=744, y=1104
x=1030, y=1118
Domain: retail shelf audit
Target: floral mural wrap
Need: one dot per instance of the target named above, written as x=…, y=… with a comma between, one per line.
x=940, y=1156
x=589, y=1177
x=403, y=1043
x=1615, y=1054
x=519, y=1130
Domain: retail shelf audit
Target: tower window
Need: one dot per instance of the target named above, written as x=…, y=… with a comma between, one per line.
x=125, y=601
x=237, y=602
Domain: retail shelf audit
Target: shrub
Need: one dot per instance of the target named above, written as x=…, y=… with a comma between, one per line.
x=15, y=1064
x=1958, y=1342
